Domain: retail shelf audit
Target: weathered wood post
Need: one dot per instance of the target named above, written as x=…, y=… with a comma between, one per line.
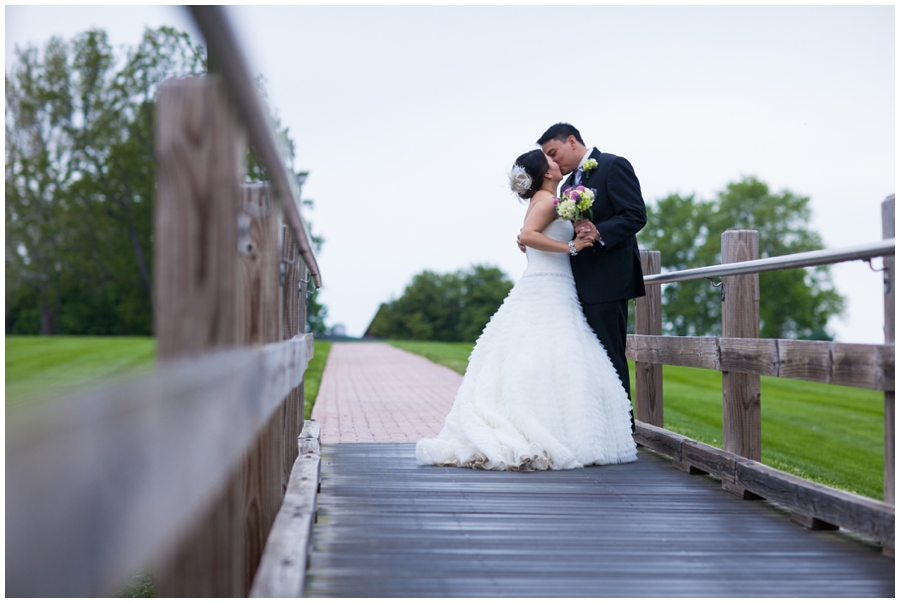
x=741, y=427
x=258, y=292
x=648, y=380
x=200, y=157
x=887, y=232
x=290, y=326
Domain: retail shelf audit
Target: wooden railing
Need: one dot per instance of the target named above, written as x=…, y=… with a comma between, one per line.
x=182, y=472
x=742, y=357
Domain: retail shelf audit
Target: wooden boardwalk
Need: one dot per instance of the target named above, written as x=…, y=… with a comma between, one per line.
x=389, y=528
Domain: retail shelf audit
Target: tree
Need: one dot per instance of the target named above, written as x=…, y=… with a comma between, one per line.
x=80, y=179
x=795, y=304
x=443, y=307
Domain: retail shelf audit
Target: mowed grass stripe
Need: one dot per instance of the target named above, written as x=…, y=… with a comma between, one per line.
x=39, y=368
x=830, y=434
x=42, y=368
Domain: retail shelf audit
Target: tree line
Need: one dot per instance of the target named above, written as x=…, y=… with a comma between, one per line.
x=443, y=307
x=80, y=178
x=795, y=304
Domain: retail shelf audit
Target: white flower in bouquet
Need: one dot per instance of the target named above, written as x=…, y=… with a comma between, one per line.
x=574, y=204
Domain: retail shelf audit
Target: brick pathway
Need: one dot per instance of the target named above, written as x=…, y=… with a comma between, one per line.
x=374, y=392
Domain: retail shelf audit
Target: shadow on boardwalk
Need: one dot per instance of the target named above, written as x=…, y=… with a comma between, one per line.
x=389, y=528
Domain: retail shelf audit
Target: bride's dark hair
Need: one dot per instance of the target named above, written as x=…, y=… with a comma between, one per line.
x=532, y=164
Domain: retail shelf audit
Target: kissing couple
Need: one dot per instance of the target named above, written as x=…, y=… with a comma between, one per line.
x=547, y=385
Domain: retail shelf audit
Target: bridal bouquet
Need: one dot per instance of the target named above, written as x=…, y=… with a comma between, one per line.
x=574, y=204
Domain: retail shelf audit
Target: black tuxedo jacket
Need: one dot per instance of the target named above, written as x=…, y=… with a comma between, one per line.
x=611, y=272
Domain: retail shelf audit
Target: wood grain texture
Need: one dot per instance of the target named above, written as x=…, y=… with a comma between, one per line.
x=200, y=151
x=741, y=419
x=697, y=352
x=258, y=287
x=97, y=488
x=658, y=439
x=282, y=568
x=648, y=387
x=869, y=366
x=390, y=528
x=201, y=154
x=290, y=327
x=259, y=308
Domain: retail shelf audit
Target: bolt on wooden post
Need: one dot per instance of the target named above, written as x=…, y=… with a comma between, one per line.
x=741, y=427
x=648, y=380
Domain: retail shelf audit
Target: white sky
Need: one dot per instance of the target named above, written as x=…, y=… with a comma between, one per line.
x=408, y=117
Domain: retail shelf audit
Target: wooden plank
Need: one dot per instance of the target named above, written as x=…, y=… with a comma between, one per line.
x=282, y=568
x=741, y=421
x=391, y=528
x=291, y=326
x=751, y=356
x=648, y=388
x=854, y=365
x=868, y=366
x=199, y=149
x=658, y=439
x=290, y=268
x=100, y=484
x=859, y=514
x=709, y=459
x=697, y=352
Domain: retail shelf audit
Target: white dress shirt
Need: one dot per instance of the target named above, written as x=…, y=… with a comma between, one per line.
x=579, y=173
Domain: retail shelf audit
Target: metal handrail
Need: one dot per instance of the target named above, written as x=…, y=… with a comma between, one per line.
x=805, y=259
x=230, y=62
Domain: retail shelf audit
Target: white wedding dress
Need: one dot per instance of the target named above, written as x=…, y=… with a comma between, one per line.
x=540, y=391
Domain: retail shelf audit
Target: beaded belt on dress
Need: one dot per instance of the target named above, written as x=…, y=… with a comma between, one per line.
x=564, y=274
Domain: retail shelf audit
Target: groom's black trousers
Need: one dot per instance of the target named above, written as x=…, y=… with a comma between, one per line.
x=610, y=322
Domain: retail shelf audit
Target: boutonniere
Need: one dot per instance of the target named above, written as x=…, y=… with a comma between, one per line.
x=587, y=166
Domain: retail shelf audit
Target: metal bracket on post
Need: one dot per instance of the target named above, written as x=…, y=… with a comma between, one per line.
x=720, y=286
x=282, y=272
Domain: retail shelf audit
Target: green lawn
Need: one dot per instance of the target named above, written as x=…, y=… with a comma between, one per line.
x=314, y=376
x=827, y=433
x=41, y=368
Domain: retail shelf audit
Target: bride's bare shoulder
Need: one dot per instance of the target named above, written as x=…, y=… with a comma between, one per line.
x=541, y=206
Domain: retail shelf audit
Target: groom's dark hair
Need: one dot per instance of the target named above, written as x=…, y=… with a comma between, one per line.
x=560, y=132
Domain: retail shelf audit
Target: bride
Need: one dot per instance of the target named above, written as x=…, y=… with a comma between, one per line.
x=533, y=397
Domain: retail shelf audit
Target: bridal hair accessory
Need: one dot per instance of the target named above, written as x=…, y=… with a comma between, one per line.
x=519, y=180
x=574, y=204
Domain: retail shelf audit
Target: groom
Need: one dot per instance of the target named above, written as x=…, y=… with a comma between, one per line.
x=607, y=274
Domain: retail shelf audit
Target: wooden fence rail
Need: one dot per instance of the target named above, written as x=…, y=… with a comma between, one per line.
x=182, y=472
x=742, y=357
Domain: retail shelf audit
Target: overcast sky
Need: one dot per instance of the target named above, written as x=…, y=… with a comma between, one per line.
x=408, y=118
